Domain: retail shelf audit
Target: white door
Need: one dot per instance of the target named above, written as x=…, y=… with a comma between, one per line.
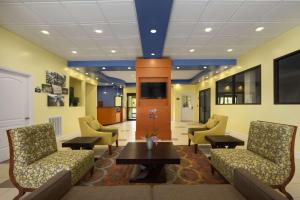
x=15, y=105
x=187, y=110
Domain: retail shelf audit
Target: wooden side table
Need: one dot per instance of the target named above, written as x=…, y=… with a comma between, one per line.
x=81, y=143
x=223, y=141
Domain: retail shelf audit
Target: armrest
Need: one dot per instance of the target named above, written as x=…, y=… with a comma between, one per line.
x=93, y=133
x=252, y=188
x=54, y=189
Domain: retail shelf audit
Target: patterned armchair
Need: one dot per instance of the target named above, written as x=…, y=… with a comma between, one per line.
x=216, y=125
x=269, y=155
x=90, y=126
x=34, y=158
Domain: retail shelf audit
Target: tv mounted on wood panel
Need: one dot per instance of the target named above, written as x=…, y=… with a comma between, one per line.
x=154, y=90
x=287, y=79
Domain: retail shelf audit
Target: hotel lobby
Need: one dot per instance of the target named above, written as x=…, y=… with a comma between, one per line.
x=160, y=99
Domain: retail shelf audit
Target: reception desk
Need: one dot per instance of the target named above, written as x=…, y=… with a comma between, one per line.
x=109, y=115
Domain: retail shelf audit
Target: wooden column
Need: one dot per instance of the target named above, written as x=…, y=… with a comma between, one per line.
x=153, y=70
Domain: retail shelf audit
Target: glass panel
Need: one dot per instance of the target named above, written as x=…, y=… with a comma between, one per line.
x=224, y=90
x=186, y=101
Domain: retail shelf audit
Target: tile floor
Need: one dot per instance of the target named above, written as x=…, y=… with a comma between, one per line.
x=127, y=130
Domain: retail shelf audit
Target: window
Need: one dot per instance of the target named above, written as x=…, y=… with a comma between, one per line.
x=241, y=88
x=287, y=79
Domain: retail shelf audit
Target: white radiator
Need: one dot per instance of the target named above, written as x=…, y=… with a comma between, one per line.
x=56, y=121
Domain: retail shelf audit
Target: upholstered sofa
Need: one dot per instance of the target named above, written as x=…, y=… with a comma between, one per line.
x=269, y=155
x=244, y=187
x=34, y=158
x=216, y=125
x=90, y=126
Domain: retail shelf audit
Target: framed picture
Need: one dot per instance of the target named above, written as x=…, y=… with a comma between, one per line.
x=56, y=100
x=47, y=88
x=65, y=91
x=54, y=78
x=57, y=89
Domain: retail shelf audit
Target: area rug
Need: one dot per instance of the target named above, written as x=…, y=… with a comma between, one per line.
x=194, y=169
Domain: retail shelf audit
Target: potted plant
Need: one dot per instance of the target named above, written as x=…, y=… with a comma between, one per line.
x=151, y=136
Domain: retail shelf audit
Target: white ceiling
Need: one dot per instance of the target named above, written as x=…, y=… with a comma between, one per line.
x=72, y=24
x=127, y=76
x=233, y=23
x=184, y=74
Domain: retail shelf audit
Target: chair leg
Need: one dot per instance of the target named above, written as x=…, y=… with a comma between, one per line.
x=109, y=149
x=283, y=190
x=20, y=194
x=117, y=143
x=92, y=171
x=212, y=169
x=189, y=142
x=196, y=148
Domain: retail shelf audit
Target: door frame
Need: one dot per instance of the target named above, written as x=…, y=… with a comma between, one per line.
x=205, y=90
x=127, y=110
x=30, y=89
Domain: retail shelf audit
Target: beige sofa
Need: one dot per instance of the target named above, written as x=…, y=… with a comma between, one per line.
x=245, y=187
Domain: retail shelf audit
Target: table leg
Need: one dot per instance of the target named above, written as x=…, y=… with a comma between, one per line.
x=148, y=174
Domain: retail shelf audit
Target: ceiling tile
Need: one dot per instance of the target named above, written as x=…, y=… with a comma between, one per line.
x=115, y=11
x=187, y=10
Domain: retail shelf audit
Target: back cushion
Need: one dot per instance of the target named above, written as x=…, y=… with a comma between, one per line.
x=94, y=124
x=33, y=143
x=270, y=140
x=211, y=123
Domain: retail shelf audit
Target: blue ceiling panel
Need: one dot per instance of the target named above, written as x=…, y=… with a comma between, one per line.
x=203, y=62
x=153, y=14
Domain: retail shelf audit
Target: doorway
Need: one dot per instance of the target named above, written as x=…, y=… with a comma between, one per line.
x=204, y=105
x=187, y=108
x=131, y=106
x=15, y=105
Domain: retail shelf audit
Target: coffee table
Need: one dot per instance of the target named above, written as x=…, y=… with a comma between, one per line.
x=223, y=141
x=149, y=164
x=81, y=143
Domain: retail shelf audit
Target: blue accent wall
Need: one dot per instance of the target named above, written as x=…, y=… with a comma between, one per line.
x=108, y=98
x=153, y=14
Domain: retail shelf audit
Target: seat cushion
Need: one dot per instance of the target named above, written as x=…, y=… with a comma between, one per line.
x=114, y=132
x=196, y=192
x=226, y=160
x=79, y=162
x=136, y=192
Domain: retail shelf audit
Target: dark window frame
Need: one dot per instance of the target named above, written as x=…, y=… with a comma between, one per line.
x=233, y=87
x=276, y=78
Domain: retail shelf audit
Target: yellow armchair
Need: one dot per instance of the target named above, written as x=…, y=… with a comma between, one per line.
x=198, y=136
x=90, y=127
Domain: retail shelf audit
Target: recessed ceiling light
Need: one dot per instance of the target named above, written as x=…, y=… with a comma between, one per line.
x=77, y=69
x=112, y=83
x=86, y=73
x=192, y=50
x=204, y=67
x=152, y=54
x=45, y=32
x=178, y=67
x=206, y=77
x=128, y=67
x=98, y=31
x=208, y=29
x=88, y=79
x=229, y=50
x=225, y=67
x=217, y=72
x=113, y=51
x=97, y=78
x=153, y=31
x=74, y=52
x=104, y=68
x=260, y=28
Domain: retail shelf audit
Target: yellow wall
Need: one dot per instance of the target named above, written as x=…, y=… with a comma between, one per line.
x=241, y=115
x=91, y=99
x=23, y=56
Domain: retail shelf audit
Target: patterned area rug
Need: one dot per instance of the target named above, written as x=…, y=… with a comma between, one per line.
x=194, y=169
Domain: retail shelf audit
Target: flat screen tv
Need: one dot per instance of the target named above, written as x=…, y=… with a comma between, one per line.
x=154, y=90
x=287, y=79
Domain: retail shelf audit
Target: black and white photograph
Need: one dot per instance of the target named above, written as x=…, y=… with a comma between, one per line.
x=47, y=88
x=54, y=78
x=65, y=91
x=57, y=89
x=56, y=100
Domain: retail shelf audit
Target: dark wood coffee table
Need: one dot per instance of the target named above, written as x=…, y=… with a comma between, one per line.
x=149, y=164
x=223, y=141
x=81, y=143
